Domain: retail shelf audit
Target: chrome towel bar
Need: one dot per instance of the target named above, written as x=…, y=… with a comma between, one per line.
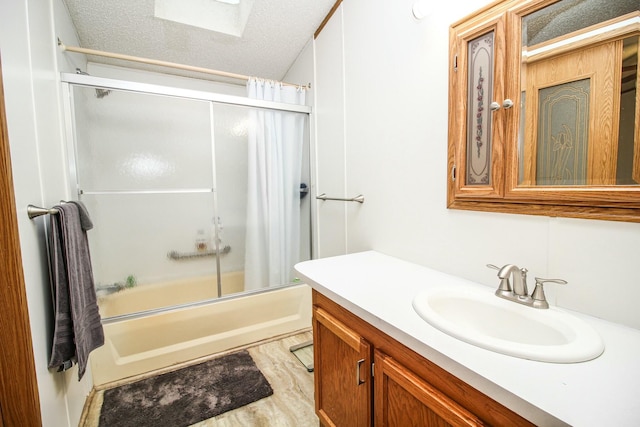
x=35, y=211
x=359, y=198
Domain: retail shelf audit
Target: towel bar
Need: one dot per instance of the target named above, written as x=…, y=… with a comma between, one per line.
x=359, y=198
x=35, y=211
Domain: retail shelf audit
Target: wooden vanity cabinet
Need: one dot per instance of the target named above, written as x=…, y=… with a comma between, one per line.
x=363, y=377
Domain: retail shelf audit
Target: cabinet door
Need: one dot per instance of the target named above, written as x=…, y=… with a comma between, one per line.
x=404, y=400
x=477, y=111
x=342, y=373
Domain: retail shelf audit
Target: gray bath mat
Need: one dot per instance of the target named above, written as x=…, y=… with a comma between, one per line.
x=186, y=396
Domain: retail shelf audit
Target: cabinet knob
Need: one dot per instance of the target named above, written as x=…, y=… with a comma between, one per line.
x=494, y=106
x=507, y=103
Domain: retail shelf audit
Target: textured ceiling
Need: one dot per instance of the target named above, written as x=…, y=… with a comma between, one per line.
x=275, y=34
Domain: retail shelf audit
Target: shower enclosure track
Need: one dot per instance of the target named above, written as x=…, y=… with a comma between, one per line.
x=176, y=191
x=92, y=81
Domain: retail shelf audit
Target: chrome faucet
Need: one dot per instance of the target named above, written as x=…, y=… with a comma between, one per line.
x=519, y=279
x=519, y=292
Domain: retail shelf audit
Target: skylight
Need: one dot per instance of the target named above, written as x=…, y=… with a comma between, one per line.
x=223, y=16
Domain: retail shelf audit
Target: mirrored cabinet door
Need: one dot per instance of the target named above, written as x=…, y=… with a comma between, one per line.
x=570, y=107
x=578, y=72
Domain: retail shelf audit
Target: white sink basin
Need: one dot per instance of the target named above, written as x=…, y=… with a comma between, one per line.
x=477, y=316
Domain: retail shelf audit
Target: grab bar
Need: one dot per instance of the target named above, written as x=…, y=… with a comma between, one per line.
x=359, y=198
x=177, y=256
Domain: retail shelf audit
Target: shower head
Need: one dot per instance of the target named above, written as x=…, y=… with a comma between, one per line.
x=100, y=93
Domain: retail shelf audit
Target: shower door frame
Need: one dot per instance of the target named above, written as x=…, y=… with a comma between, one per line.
x=69, y=80
x=105, y=83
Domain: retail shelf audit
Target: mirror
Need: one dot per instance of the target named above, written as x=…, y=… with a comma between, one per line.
x=579, y=98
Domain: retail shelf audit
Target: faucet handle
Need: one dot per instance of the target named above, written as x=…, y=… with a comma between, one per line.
x=539, y=299
x=505, y=287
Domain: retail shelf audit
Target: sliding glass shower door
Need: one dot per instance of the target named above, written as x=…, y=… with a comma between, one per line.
x=165, y=180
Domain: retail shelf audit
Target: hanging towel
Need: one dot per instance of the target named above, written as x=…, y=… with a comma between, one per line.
x=85, y=219
x=77, y=324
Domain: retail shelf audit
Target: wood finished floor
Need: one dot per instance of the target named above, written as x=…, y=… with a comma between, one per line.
x=291, y=404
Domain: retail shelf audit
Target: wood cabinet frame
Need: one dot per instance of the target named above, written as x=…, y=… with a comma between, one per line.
x=619, y=203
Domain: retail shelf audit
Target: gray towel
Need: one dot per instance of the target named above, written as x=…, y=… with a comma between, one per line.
x=78, y=328
x=85, y=219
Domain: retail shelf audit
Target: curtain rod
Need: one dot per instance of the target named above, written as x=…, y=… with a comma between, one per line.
x=148, y=61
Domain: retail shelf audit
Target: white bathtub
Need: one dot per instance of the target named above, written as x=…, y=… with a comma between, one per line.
x=167, y=294
x=144, y=344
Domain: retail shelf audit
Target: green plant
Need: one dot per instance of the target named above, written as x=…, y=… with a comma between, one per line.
x=131, y=281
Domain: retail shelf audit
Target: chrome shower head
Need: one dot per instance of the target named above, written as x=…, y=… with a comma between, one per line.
x=100, y=93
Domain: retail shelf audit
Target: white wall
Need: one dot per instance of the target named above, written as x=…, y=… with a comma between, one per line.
x=330, y=116
x=28, y=49
x=382, y=80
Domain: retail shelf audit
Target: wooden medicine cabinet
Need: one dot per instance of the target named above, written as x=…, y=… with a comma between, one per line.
x=544, y=111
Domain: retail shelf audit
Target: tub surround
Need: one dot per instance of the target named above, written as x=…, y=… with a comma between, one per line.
x=379, y=289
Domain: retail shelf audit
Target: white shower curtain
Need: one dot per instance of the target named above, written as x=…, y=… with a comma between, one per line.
x=273, y=206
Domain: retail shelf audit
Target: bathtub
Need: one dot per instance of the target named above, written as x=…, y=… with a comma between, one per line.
x=170, y=293
x=139, y=345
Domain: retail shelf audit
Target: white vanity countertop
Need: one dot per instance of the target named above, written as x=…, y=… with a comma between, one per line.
x=380, y=289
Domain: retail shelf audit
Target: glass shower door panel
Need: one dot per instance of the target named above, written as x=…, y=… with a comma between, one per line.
x=144, y=169
x=261, y=160
x=147, y=252
x=127, y=141
x=230, y=136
